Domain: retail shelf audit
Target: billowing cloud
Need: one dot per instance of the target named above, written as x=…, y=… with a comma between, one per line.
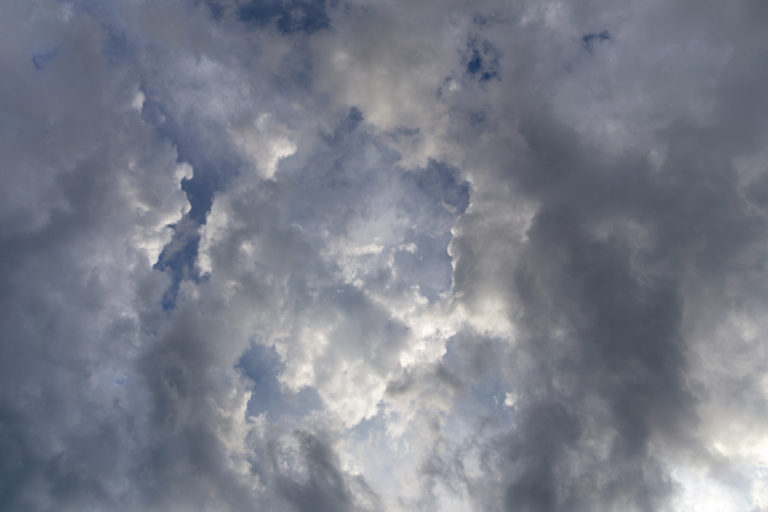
x=356, y=256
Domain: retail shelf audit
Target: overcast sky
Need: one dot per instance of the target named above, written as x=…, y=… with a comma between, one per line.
x=369, y=255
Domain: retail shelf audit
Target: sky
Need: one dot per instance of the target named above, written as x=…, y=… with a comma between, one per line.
x=357, y=255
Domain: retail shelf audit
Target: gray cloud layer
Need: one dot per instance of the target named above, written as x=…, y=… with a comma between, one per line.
x=320, y=255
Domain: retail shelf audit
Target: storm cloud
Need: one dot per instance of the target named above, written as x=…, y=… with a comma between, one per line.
x=383, y=256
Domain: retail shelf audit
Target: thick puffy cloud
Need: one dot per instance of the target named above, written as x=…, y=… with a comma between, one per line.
x=317, y=255
x=89, y=193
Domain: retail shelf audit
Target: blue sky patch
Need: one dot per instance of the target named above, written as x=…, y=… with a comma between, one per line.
x=40, y=60
x=179, y=265
x=589, y=40
x=262, y=365
x=289, y=16
x=482, y=61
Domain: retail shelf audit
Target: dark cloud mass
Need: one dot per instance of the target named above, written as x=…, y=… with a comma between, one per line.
x=383, y=256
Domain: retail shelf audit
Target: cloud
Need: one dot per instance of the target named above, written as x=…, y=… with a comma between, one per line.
x=88, y=193
x=352, y=256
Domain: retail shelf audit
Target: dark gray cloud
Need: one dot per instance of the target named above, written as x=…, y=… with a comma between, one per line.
x=614, y=256
x=321, y=255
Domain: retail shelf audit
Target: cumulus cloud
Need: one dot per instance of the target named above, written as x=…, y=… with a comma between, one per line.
x=321, y=255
